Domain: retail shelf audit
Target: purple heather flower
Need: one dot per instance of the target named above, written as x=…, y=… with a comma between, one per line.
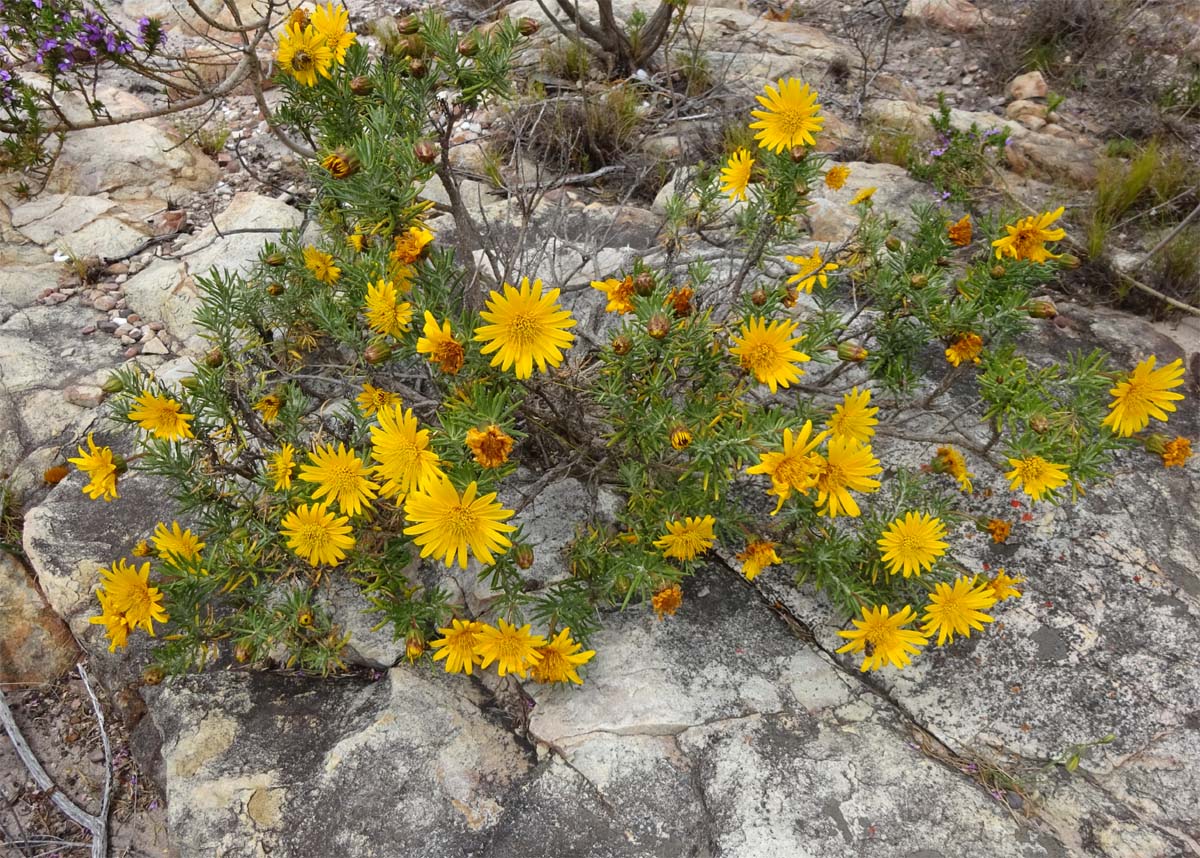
x=938, y=152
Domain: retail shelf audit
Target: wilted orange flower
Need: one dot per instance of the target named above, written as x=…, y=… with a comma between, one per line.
x=960, y=232
x=667, y=601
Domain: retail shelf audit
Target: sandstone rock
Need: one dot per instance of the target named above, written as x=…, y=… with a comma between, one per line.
x=1105, y=639
x=167, y=289
x=1023, y=108
x=831, y=219
x=83, y=395
x=352, y=612
x=35, y=646
x=257, y=764
x=131, y=161
x=959, y=16
x=1026, y=86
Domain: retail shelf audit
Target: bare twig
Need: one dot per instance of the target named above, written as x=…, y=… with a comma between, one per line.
x=96, y=825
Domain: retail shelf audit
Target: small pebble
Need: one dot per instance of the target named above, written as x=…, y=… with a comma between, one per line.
x=121, y=278
x=109, y=327
x=88, y=329
x=133, y=351
x=157, y=326
x=105, y=303
x=133, y=318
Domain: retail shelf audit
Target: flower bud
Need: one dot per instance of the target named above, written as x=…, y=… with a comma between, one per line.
x=468, y=46
x=119, y=464
x=892, y=243
x=275, y=289
x=411, y=46
x=275, y=259
x=142, y=549
x=643, y=284
x=377, y=353
x=942, y=262
x=658, y=326
x=1069, y=260
x=54, y=476
x=153, y=675
x=798, y=153
x=113, y=384
x=621, y=345
x=1155, y=443
x=417, y=67
x=528, y=26
x=305, y=618
x=852, y=352
x=425, y=152
x=758, y=297
x=413, y=647
x=1039, y=423
x=681, y=437
x=241, y=652
x=1041, y=308
x=189, y=382
x=523, y=555
x=919, y=280
x=408, y=25
x=998, y=271
x=791, y=297
x=214, y=358
x=361, y=85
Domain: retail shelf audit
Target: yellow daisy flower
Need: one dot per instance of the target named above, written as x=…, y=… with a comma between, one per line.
x=100, y=465
x=340, y=164
x=316, y=534
x=769, y=351
x=490, y=447
x=619, y=292
x=950, y=461
x=410, y=244
x=847, y=464
x=882, y=638
x=999, y=529
x=862, y=196
x=514, y=650
x=1027, y=238
x=281, y=465
x=1036, y=477
x=161, y=416
x=441, y=347
x=406, y=460
x=1003, y=586
x=116, y=626
x=735, y=175
x=447, y=524
x=1176, y=452
x=341, y=476
x=791, y=118
x=385, y=313
x=458, y=646
x=667, y=601
x=176, y=544
x=561, y=659
x=966, y=347
x=269, y=407
x=759, y=554
x=333, y=23
x=321, y=265
x=685, y=540
x=813, y=270
x=1146, y=393
x=303, y=53
x=836, y=176
x=796, y=468
x=852, y=418
x=129, y=593
x=911, y=544
x=960, y=232
x=957, y=609
x=525, y=327
x=373, y=399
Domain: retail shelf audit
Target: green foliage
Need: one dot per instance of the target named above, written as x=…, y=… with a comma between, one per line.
x=669, y=414
x=960, y=161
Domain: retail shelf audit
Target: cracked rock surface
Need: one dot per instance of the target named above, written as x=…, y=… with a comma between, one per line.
x=717, y=732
